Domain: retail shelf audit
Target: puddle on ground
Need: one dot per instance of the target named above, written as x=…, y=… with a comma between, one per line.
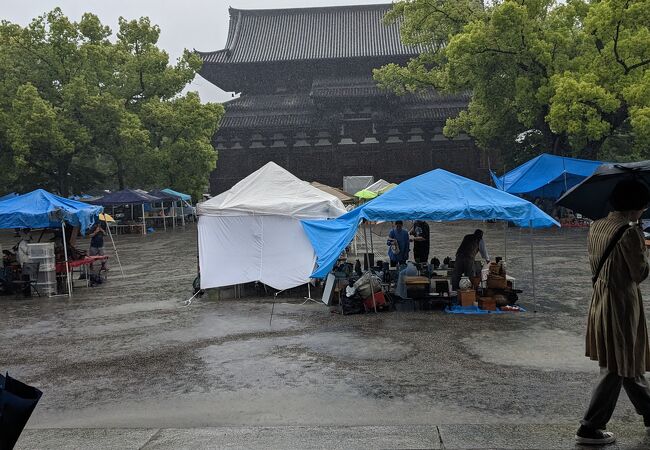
x=549, y=350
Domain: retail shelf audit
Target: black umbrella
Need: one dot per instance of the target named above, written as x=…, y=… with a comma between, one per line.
x=17, y=402
x=591, y=197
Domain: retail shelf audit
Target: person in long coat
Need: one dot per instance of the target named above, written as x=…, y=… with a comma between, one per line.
x=616, y=327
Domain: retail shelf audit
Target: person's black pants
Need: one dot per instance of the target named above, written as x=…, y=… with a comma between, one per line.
x=462, y=265
x=605, y=395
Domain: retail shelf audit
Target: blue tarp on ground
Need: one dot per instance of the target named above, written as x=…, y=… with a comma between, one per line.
x=126, y=197
x=470, y=310
x=180, y=195
x=546, y=176
x=437, y=195
x=8, y=196
x=41, y=209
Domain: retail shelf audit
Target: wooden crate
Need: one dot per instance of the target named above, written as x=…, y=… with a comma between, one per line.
x=496, y=282
x=487, y=303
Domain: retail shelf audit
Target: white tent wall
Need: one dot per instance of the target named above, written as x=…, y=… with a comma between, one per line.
x=240, y=249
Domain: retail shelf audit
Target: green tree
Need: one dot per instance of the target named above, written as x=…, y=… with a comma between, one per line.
x=566, y=77
x=76, y=108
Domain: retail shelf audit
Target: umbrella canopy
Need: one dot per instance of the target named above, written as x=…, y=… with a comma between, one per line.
x=436, y=195
x=366, y=194
x=547, y=176
x=591, y=197
x=126, y=197
x=42, y=209
x=106, y=217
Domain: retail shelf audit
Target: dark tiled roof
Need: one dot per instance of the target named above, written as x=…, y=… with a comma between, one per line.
x=268, y=111
x=299, y=110
x=345, y=87
x=269, y=35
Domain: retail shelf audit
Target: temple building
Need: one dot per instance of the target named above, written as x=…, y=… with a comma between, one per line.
x=307, y=100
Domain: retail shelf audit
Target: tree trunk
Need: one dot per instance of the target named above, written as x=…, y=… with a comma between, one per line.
x=120, y=174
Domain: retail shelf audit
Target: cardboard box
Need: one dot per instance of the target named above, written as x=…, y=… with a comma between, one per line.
x=496, y=282
x=487, y=303
x=466, y=297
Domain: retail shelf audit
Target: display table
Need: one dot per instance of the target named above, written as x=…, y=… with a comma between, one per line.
x=81, y=264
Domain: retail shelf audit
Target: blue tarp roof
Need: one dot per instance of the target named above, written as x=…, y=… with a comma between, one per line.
x=546, y=176
x=437, y=195
x=8, y=196
x=126, y=197
x=41, y=209
x=162, y=195
x=180, y=195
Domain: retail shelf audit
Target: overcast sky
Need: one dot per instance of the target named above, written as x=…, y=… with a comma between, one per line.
x=192, y=24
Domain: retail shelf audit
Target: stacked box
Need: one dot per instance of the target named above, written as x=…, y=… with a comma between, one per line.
x=43, y=253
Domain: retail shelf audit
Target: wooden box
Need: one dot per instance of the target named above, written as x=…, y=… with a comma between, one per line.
x=416, y=280
x=466, y=297
x=487, y=303
x=496, y=282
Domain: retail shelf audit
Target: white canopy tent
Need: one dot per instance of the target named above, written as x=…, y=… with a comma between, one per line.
x=252, y=232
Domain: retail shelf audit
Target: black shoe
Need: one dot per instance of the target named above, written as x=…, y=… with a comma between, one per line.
x=594, y=437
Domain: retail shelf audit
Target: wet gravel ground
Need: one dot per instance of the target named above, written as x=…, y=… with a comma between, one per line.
x=129, y=354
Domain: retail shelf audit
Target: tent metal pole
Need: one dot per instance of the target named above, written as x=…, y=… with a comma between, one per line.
x=365, y=240
x=182, y=213
x=144, y=223
x=367, y=259
x=372, y=245
x=162, y=205
x=505, y=240
x=532, y=262
x=67, y=267
x=114, y=248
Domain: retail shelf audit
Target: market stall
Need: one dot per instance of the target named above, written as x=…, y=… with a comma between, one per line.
x=185, y=201
x=131, y=198
x=252, y=232
x=434, y=196
x=546, y=176
x=41, y=209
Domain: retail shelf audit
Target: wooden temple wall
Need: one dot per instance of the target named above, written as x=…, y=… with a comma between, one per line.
x=328, y=164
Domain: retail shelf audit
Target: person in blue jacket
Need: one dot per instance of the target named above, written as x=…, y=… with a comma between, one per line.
x=398, y=244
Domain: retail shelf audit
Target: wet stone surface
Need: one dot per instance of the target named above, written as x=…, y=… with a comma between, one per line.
x=128, y=353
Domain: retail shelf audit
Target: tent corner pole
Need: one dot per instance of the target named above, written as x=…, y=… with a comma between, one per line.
x=65, y=254
x=117, y=256
x=144, y=223
x=532, y=263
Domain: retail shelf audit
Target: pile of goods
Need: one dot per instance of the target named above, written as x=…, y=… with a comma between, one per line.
x=490, y=291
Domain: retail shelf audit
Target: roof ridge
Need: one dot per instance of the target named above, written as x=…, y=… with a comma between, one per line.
x=274, y=11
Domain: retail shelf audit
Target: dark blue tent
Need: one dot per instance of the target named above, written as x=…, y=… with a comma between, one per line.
x=41, y=209
x=546, y=176
x=126, y=197
x=438, y=196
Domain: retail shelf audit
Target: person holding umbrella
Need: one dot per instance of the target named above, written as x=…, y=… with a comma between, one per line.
x=616, y=327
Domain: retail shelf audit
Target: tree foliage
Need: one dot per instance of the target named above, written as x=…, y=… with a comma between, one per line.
x=567, y=77
x=79, y=111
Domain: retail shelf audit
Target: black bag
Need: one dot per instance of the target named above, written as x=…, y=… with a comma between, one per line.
x=17, y=402
x=351, y=305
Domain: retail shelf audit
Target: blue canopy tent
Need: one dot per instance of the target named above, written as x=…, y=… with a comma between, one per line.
x=165, y=197
x=184, y=198
x=41, y=209
x=8, y=196
x=437, y=195
x=546, y=176
x=128, y=197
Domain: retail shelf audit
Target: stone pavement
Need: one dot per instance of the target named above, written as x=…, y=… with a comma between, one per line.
x=464, y=436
